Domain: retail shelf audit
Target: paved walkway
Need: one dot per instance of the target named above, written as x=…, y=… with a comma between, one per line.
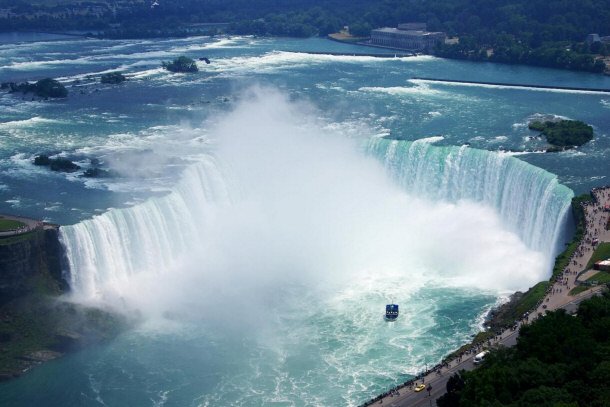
x=30, y=224
x=597, y=218
x=555, y=298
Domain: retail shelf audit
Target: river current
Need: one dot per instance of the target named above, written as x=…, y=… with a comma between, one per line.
x=269, y=206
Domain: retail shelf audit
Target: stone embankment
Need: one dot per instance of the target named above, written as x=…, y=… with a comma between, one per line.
x=556, y=297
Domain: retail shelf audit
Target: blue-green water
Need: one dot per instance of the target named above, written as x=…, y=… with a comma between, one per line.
x=280, y=224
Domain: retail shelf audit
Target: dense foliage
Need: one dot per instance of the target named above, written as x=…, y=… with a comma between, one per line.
x=565, y=133
x=559, y=360
x=534, y=32
x=113, y=78
x=181, y=64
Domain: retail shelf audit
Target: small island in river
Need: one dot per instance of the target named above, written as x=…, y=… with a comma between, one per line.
x=564, y=134
x=44, y=88
x=113, y=78
x=181, y=64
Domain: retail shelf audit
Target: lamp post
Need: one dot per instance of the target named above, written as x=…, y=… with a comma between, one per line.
x=429, y=397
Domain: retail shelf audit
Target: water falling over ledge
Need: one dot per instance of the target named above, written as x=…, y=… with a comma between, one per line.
x=281, y=194
x=530, y=201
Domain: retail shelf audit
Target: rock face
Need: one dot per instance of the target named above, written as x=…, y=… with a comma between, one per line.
x=27, y=261
x=36, y=323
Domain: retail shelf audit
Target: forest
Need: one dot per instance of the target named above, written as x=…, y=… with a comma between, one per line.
x=534, y=32
x=559, y=360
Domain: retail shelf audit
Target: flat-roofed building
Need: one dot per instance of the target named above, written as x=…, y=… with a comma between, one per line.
x=413, y=26
x=408, y=39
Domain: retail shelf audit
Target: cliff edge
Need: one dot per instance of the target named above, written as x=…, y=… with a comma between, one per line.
x=36, y=323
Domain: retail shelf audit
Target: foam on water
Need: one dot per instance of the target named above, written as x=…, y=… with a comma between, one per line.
x=278, y=60
x=33, y=121
x=403, y=90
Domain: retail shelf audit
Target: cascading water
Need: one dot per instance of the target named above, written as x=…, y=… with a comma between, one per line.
x=106, y=250
x=153, y=236
x=529, y=200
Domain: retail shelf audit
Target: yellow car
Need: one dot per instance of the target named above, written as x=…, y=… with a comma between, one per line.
x=420, y=387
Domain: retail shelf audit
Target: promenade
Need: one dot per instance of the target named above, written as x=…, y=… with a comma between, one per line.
x=556, y=297
x=29, y=225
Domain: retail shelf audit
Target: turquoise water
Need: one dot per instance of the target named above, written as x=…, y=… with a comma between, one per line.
x=261, y=224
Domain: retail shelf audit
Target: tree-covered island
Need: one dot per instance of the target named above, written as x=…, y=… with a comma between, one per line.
x=44, y=88
x=181, y=64
x=113, y=78
x=564, y=134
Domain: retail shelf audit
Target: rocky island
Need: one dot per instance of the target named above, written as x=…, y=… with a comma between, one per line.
x=56, y=164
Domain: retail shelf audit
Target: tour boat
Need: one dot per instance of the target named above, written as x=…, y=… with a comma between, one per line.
x=391, y=312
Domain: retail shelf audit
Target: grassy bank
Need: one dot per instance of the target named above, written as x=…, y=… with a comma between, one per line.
x=6, y=225
x=563, y=259
x=602, y=252
x=19, y=238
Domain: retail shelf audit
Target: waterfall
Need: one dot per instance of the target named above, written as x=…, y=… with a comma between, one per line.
x=529, y=200
x=151, y=236
x=106, y=251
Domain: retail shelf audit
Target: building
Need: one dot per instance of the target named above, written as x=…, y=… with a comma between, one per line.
x=602, y=265
x=591, y=38
x=413, y=26
x=408, y=36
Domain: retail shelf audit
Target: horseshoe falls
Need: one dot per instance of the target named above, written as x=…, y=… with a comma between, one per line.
x=261, y=218
x=108, y=249
x=277, y=278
